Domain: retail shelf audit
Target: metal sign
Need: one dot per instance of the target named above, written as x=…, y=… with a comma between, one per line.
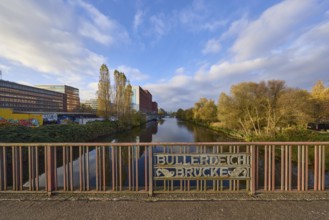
x=201, y=166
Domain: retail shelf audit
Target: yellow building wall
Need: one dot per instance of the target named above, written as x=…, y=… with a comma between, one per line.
x=7, y=114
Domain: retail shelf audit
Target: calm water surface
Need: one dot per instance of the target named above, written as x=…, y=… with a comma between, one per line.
x=166, y=130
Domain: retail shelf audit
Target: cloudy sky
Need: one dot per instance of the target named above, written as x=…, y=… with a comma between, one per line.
x=179, y=50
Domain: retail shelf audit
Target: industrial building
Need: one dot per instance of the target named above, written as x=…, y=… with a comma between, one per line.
x=71, y=95
x=23, y=98
x=142, y=100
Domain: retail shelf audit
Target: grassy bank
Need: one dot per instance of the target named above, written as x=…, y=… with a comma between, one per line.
x=61, y=133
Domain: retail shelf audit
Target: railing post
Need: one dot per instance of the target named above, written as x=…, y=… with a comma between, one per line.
x=50, y=170
x=253, y=170
x=150, y=170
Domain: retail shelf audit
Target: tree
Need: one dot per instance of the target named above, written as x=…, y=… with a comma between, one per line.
x=263, y=108
x=205, y=110
x=127, y=99
x=86, y=108
x=120, y=85
x=104, y=93
x=320, y=98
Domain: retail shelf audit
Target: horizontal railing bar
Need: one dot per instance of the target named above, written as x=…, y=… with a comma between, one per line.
x=201, y=178
x=173, y=166
x=160, y=144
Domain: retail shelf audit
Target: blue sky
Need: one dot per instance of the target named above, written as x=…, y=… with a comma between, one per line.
x=179, y=50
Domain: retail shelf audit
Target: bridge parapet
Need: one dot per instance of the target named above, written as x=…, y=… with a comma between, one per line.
x=164, y=167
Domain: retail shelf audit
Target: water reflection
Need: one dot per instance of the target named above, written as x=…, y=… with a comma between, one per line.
x=167, y=130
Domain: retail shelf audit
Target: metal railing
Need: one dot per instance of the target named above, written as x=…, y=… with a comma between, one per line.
x=164, y=167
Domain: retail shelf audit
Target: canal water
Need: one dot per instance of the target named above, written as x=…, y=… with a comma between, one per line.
x=168, y=130
x=165, y=130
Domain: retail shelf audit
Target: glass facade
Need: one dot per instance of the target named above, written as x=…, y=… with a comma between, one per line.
x=22, y=98
x=71, y=95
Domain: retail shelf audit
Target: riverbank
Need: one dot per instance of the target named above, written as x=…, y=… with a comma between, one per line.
x=286, y=135
x=62, y=133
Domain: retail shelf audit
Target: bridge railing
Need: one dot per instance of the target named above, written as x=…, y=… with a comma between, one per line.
x=164, y=167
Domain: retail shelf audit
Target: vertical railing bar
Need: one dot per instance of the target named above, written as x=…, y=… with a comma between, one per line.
x=97, y=168
x=1, y=169
x=30, y=168
x=129, y=167
x=323, y=168
x=113, y=171
x=286, y=168
x=306, y=167
x=269, y=180
x=13, y=161
x=46, y=167
x=116, y=168
x=120, y=167
x=230, y=181
x=150, y=170
x=256, y=166
x=80, y=167
x=205, y=181
x=273, y=167
x=315, y=168
x=20, y=169
x=137, y=155
x=265, y=168
x=253, y=170
x=64, y=168
x=71, y=167
x=188, y=150
x=303, y=168
x=299, y=169
x=37, y=168
x=104, y=171
x=1, y=166
x=87, y=165
x=290, y=165
x=238, y=181
x=145, y=167
x=5, y=169
x=319, y=167
x=172, y=182
x=282, y=167
x=55, y=168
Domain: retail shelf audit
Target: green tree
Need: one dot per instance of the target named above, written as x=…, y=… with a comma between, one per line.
x=263, y=108
x=320, y=98
x=120, y=85
x=127, y=99
x=205, y=111
x=104, y=93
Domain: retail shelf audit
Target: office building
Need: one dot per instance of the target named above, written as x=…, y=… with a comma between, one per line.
x=71, y=95
x=141, y=100
x=22, y=98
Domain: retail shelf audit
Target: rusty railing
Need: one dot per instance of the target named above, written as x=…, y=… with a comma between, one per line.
x=164, y=167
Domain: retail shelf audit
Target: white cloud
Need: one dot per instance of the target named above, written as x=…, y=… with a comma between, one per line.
x=43, y=37
x=159, y=25
x=212, y=26
x=302, y=62
x=212, y=46
x=138, y=19
x=180, y=70
x=273, y=28
x=99, y=27
x=133, y=74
